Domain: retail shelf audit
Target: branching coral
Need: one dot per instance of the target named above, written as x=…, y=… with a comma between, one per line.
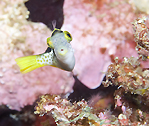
x=141, y=33
x=80, y=114
x=66, y=113
x=128, y=75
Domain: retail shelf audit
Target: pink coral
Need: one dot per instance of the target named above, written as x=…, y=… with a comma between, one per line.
x=20, y=37
x=99, y=35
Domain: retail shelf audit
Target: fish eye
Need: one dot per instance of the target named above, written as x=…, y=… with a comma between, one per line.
x=68, y=36
x=62, y=51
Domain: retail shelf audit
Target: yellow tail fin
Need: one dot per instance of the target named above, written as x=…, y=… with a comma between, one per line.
x=28, y=63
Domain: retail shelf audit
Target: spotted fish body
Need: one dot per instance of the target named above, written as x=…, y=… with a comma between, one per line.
x=45, y=58
x=59, y=54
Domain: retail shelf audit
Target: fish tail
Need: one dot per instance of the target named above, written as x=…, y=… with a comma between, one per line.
x=28, y=63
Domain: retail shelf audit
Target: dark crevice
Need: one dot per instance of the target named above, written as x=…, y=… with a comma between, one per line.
x=46, y=11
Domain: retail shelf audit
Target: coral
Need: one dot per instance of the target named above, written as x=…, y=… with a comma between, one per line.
x=20, y=37
x=141, y=33
x=101, y=31
x=66, y=113
x=128, y=75
x=130, y=97
x=131, y=100
x=80, y=114
x=140, y=6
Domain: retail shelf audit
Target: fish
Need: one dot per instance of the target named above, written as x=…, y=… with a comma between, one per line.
x=59, y=53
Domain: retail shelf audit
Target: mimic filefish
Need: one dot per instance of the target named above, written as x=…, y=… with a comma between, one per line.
x=58, y=54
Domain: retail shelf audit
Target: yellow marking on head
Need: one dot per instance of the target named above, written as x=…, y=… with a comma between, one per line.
x=49, y=43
